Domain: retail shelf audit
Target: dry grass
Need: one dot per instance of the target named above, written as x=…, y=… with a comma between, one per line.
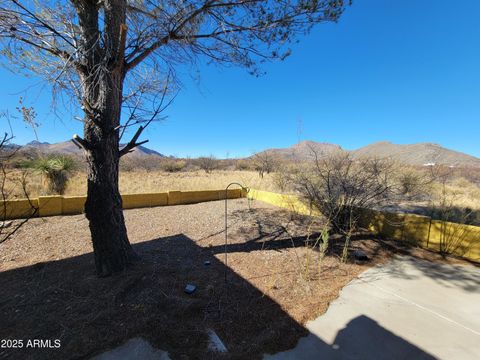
x=461, y=192
x=141, y=181
x=192, y=180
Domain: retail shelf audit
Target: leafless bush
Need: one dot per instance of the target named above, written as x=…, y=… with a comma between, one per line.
x=146, y=163
x=172, y=165
x=443, y=207
x=264, y=162
x=453, y=237
x=7, y=152
x=281, y=182
x=412, y=183
x=338, y=186
x=207, y=163
x=242, y=164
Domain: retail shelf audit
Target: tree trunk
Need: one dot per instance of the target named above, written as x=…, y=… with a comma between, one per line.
x=103, y=208
x=102, y=74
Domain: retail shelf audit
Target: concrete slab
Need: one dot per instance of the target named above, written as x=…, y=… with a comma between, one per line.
x=134, y=349
x=406, y=309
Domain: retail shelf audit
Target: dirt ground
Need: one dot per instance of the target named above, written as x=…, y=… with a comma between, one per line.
x=274, y=281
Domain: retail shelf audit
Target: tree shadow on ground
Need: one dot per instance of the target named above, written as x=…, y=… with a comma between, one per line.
x=64, y=300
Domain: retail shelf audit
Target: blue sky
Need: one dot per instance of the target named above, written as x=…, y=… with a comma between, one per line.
x=404, y=71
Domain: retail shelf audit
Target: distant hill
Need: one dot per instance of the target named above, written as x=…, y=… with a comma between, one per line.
x=303, y=151
x=412, y=154
x=70, y=148
x=418, y=154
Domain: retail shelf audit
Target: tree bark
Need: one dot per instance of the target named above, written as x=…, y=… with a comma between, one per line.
x=103, y=208
x=102, y=83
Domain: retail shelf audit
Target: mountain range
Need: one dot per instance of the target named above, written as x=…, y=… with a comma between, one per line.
x=69, y=148
x=412, y=154
x=419, y=154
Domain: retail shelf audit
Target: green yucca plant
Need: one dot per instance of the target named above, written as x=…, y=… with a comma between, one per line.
x=56, y=169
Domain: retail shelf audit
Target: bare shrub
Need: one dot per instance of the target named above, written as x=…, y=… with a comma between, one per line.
x=207, y=163
x=7, y=153
x=264, y=162
x=443, y=207
x=412, y=184
x=338, y=186
x=146, y=163
x=172, y=165
x=243, y=165
x=281, y=182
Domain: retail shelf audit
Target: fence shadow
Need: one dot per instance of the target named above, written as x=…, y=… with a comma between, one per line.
x=448, y=275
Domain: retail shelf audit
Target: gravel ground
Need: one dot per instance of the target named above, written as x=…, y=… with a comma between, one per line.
x=277, y=280
x=59, y=237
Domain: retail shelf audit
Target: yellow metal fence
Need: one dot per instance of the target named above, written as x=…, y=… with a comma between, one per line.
x=68, y=205
x=462, y=240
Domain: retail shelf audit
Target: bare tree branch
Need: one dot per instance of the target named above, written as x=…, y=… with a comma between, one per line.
x=133, y=142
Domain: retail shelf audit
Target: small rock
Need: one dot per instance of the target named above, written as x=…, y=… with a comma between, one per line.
x=190, y=289
x=206, y=263
x=5, y=224
x=360, y=255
